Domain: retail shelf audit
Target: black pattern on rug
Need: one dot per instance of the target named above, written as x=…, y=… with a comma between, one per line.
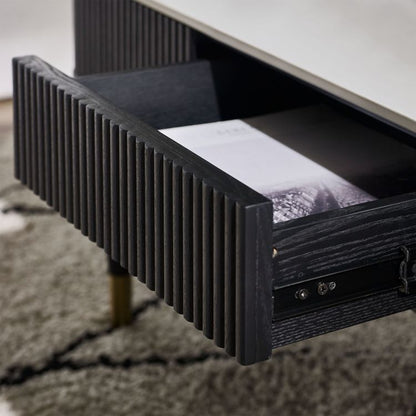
x=16, y=375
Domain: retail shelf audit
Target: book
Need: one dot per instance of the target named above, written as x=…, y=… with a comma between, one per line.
x=297, y=185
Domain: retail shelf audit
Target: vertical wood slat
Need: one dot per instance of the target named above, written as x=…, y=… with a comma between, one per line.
x=69, y=180
x=230, y=274
x=132, y=204
x=115, y=191
x=54, y=148
x=167, y=231
x=207, y=261
x=16, y=122
x=128, y=35
x=139, y=51
x=118, y=35
x=152, y=38
x=90, y=171
x=100, y=13
x=27, y=144
x=114, y=37
x=187, y=246
x=177, y=240
x=141, y=212
x=47, y=140
x=105, y=40
x=159, y=39
x=39, y=136
x=45, y=113
x=188, y=240
x=197, y=252
x=106, y=186
x=75, y=162
x=133, y=35
x=173, y=42
x=146, y=37
x=123, y=200
x=60, y=127
x=158, y=224
x=218, y=267
x=86, y=19
x=121, y=41
x=149, y=217
x=98, y=175
x=19, y=125
x=34, y=133
x=83, y=180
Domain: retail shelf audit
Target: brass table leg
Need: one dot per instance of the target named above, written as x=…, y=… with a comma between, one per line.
x=120, y=294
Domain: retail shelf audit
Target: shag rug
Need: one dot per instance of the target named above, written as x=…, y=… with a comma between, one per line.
x=59, y=355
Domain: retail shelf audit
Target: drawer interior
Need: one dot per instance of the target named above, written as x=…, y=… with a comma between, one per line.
x=368, y=154
x=200, y=92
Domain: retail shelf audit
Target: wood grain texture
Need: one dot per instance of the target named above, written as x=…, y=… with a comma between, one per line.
x=149, y=95
x=130, y=196
x=342, y=316
x=344, y=239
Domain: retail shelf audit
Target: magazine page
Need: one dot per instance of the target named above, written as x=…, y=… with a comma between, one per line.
x=297, y=185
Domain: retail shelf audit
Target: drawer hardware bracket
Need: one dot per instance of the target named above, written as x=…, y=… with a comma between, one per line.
x=408, y=283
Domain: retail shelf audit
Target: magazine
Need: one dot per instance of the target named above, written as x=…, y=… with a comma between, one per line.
x=296, y=185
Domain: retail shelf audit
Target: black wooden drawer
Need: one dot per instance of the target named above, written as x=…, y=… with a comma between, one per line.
x=203, y=241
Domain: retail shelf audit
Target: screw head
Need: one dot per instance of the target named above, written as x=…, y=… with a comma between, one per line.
x=322, y=288
x=302, y=294
x=332, y=285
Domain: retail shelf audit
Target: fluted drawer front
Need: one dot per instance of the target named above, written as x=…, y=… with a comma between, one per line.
x=115, y=35
x=193, y=234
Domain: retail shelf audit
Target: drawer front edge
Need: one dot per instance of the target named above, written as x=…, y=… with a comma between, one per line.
x=343, y=240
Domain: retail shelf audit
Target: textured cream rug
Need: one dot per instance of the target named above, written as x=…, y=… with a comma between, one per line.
x=58, y=355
